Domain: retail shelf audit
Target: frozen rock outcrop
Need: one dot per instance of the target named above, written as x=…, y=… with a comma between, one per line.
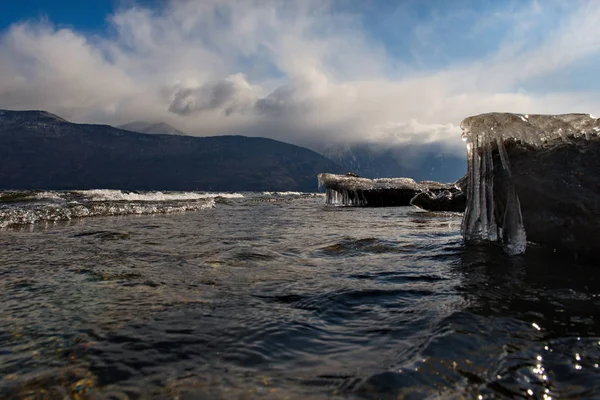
x=536, y=178
x=350, y=190
x=447, y=200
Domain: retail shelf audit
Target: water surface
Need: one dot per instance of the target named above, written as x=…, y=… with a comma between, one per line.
x=266, y=295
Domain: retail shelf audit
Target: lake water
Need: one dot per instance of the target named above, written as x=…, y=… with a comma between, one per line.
x=278, y=296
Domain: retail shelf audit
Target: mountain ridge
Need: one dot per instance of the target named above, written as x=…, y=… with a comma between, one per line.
x=152, y=128
x=38, y=151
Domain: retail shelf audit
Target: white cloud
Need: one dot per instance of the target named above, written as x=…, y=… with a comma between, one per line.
x=230, y=95
x=299, y=71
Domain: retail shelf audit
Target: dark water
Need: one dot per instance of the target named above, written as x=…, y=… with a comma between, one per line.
x=281, y=297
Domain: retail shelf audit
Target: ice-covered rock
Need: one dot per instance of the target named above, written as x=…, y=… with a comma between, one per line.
x=350, y=190
x=533, y=177
x=447, y=200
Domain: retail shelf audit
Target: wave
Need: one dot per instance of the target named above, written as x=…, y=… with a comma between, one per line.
x=14, y=196
x=24, y=207
x=119, y=195
x=53, y=213
x=137, y=196
x=30, y=207
x=110, y=195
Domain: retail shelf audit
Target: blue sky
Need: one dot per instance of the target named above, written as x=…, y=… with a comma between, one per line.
x=304, y=70
x=88, y=16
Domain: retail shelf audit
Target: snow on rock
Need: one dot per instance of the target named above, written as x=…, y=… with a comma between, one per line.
x=351, y=190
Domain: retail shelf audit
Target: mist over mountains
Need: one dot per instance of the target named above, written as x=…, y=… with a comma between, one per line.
x=374, y=160
x=40, y=150
x=151, y=127
x=367, y=159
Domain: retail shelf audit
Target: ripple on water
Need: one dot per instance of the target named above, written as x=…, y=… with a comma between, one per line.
x=103, y=235
x=289, y=299
x=350, y=246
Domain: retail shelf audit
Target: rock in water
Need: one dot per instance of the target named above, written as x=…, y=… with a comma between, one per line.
x=536, y=178
x=447, y=200
x=349, y=190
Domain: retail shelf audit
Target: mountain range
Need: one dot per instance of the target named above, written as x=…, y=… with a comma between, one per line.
x=39, y=150
x=367, y=159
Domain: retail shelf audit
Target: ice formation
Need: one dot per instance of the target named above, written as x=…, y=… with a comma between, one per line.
x=349, y=190
x=441, y=201
x=488, y=135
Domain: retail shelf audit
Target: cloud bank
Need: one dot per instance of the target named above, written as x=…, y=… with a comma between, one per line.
x=310, y=71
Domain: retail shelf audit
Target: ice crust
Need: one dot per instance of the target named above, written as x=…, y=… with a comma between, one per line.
x=487, y=133
x=349, y=190
x=356, y=183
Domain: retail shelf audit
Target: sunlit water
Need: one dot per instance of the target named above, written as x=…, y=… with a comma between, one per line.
x=279, y=296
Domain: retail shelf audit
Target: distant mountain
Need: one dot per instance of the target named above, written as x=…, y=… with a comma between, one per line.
x=420, y=162
x=39, y=150
x=151, y=127
x=29, y=118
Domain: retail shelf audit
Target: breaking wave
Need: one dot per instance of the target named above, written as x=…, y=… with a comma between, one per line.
x=118, y=195
x=24, y=207
x=110, y=195
x=30, y=207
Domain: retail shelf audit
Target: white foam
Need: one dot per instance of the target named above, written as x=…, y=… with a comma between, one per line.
x=223, y=195
x=53, y=213
x=118, y=195
x=48, y=196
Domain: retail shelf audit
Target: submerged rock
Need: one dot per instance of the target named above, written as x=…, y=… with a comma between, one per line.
x=351, y=190
x=536, y=178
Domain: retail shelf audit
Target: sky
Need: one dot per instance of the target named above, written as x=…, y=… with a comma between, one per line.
x=305, y=71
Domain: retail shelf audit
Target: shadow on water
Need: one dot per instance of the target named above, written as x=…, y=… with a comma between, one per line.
x=530, y=328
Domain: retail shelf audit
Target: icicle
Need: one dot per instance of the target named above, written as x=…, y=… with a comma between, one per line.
x=479, y=221
x=514, y=238
x=503, y=155
x=491, y=229
x=484, y=134
x=352, y=191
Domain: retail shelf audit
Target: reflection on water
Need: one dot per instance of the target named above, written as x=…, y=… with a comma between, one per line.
x=261, y=298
